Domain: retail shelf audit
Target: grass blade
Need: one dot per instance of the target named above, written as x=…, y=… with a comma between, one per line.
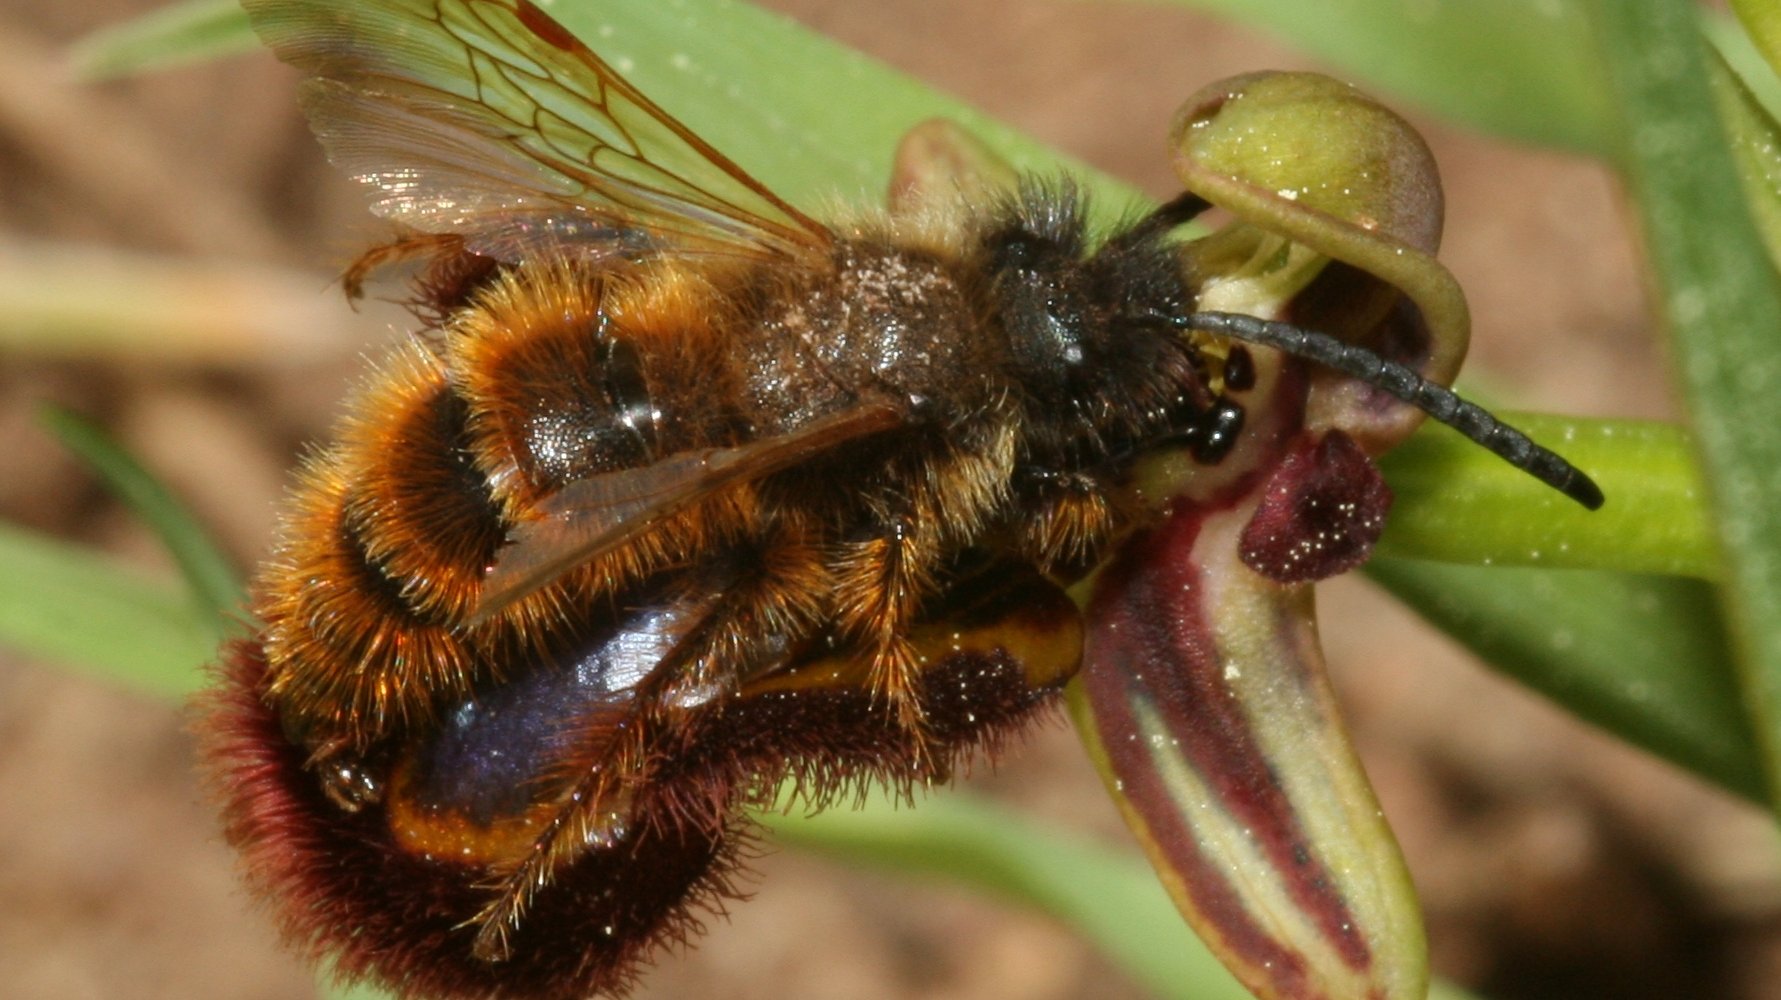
x=1520, y=68
x=1721, y=303
x=215, y=586
x=1645, y=657
x=70, y=604
x=1762, y=23
x=1112, y=897
x=174, y=35
x=752, y=83
x=1756, y=141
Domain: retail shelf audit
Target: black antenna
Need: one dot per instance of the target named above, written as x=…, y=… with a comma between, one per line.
x=1437, y=401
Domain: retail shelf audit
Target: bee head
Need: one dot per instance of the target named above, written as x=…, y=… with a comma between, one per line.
x=1034, y=258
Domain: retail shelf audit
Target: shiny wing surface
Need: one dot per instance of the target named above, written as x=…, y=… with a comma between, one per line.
x=594, y=515
x=488, y=119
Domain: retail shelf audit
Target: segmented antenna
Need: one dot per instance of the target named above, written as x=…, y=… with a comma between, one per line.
x=1437, y=401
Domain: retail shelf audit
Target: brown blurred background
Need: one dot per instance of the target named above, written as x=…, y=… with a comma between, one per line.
x=1552, y=861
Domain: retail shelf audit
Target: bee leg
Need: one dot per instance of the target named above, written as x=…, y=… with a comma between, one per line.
x=1075, y=518
x=774, y=599
x=943, y=500
x=599, y=802
x=896, y=678
x=595, y=811
x=880, y=582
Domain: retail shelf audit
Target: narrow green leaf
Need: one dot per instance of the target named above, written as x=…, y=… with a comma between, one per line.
x=813, y=119
x=1721, y=302
x=71, y=604
x=1762, y=22
x=175, y=35
x=1645, y=657
x=1109, y=896
x=1756, y=143
x=1745, y=59
x=215, y=586
x=1521, y=68
x=1458, y=503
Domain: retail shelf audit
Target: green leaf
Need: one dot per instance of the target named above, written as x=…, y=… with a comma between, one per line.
x=1458, y=503
x=1645, y=657
x=1521, y=68
x=1721, y=303
x=814, y=120
x=71, y=604
x=752, y=83
x=171, y=36
x=1111, y=897
x=1762, y=23
x=1756, y=142
x=215, y=586
x=1745, y=59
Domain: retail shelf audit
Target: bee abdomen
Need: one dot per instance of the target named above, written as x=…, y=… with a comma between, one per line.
x=571, y=374
x=424, y=514
x=384, y=548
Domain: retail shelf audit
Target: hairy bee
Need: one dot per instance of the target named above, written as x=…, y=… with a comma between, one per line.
x=682, y=494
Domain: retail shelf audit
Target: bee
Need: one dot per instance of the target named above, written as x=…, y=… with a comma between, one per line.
x=678, y=495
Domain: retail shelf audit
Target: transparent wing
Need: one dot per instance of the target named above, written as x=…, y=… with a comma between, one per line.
x=595, y=515
x=487, y=119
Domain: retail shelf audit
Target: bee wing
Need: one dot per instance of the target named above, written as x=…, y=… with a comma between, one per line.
x=594, y=515
x=487, y=119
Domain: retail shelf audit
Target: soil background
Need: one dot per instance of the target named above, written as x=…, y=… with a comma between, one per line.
x=1552, y=861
